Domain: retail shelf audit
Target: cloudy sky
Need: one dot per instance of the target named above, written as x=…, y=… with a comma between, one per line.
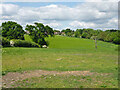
x=62, y=15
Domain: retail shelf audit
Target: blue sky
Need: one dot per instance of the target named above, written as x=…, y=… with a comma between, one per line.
x=62, y=15
x=39, y=4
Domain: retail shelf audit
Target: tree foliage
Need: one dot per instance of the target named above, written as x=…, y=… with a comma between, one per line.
x=68, y=32
x=12, y=30
x=38, y=32
x=107, y=36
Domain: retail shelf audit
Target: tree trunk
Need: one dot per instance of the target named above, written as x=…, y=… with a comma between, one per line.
x=95, y=43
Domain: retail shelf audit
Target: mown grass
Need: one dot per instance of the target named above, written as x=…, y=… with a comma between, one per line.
x=64, y=54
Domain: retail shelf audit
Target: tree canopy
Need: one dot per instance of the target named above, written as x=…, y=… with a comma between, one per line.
x=38, y=32
x=12, y=30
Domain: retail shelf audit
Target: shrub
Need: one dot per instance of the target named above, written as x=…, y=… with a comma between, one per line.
x=23, y=43
x=5, y=42
x=116, y=40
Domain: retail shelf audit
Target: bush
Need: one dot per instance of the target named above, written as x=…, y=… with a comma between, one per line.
x=116, y=40
x=23, y=43
x=5, y=42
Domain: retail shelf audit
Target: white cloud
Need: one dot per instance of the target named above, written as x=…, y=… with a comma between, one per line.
x=54, y=24
x=112, y=23
x=114, y=20
x=9, y=9
x=92, y=15
x=78, y=24
x=52, y=6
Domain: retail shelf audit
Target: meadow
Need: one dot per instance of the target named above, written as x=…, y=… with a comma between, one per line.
x=64, y=54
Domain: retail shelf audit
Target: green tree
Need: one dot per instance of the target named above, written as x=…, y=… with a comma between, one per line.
x=78, y=32
x=102, y=36
x=116, y=39
x=49, y=30
x=12, y=30
x=87, y=33
x=38, y=32
x=68, y=32
x=84, y=35
x=110, y=36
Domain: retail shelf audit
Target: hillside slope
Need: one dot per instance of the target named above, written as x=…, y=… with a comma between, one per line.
x=62, y=42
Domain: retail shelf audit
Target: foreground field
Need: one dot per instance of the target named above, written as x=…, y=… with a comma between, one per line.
x=63, y=54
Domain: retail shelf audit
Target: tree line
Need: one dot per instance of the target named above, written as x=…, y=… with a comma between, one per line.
x=107, y=35
x=38, y=32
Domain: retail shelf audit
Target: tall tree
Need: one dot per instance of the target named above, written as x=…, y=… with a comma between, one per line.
x=38, y=32
x=12, y=30
x=49, y=30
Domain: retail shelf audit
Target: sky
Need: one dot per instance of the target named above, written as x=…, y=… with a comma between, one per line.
x=61, y=14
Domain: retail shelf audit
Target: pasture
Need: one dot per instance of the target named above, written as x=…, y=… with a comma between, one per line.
x=68, y=63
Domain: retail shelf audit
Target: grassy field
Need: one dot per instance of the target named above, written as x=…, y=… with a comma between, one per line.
x=27, y=38
x=68, y=81
x=65, y=54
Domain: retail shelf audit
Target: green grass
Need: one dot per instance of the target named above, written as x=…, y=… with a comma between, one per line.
x=75, y=54
x=74, y=57
x=27, y=38
x=68, y=81
x=77, y=43
x=15, y=59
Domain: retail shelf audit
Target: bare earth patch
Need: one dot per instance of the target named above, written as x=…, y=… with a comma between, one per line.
x=11, y=77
